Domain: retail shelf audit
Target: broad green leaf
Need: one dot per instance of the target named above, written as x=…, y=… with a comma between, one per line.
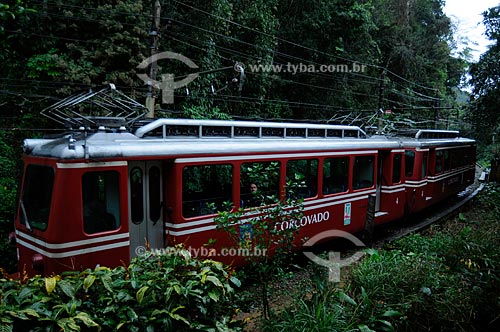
x=235, y=281
x=215, y=281
x=30, y=312
x=344, y=297
x=140, y=293
x=89, y=281
x=214, y=296
x=67, y=288
x=85, y=318
x=392, y=313
x=107, y=283
x=68, y=324
x=179, y=317
x=50, y=284
x=365, y=328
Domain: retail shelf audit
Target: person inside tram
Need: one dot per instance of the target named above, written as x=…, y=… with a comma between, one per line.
x=252, y=198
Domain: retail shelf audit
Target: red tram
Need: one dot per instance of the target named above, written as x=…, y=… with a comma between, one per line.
x=95, y=197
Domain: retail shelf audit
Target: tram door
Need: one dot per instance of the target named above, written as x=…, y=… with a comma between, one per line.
x=382, y=156
x=145, y=206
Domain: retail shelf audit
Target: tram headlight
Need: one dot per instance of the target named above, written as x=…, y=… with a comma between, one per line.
x=12, y=238
x=37, y=263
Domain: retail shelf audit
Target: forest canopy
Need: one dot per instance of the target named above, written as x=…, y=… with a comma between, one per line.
x=314, y=60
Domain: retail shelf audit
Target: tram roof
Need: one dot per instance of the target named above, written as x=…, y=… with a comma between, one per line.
x=170, y=138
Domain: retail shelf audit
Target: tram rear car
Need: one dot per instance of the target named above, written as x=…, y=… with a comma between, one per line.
x=104, y=197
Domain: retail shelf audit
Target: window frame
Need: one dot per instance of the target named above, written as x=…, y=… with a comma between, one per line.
x=400, y=166
x=28, y=181
x=410, y=172
x=346, y=183
x=312, y=179
x=197, y=204
x=361, y=180
x=95, y=209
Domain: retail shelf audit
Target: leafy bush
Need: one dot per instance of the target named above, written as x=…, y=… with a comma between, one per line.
x=260, y=233
x=8, y=180
x=445, y=280
x=323, y=308
x=8, y=195
x=168, y=292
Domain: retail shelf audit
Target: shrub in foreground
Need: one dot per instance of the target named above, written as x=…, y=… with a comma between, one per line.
x=171, y=292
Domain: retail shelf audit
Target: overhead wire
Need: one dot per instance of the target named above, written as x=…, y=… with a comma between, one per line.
x=260, y=32
x=302, y=46
x=249, y=44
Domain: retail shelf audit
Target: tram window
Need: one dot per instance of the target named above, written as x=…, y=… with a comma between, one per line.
x=363, y=172
x=409, y=162
x=205, y=189
x=446, y=160
x=424, y=164
x=136, y=195
x=454, y=159
x=465, y=160
x=463, y=157
x=302, y=177
x=101, y=201
x=263, y=176
x=396, y=168
x=37, y=196
x=335, y=175
x=154, y=185
x=439, y=162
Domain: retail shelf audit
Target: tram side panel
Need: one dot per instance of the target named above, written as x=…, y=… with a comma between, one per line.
x=392, y=192
x=418, y=193
x=85, y=223
x=335, y=192
x=452, y=170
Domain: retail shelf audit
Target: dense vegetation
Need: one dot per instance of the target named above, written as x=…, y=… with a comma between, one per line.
x=53, y=48
x=398, y=51
x=446, y=279
x=485, y=79
x=156, y=292
x=398, y=56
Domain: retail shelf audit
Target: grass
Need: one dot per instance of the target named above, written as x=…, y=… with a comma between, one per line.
x=445, y=279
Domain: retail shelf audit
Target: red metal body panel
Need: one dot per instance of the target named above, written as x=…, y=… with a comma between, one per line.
x=392, y=201
x=64, y=244
x=400, y=189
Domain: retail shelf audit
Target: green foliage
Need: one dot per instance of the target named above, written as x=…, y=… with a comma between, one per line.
x=167, y=292
x=484, y=79
x=48, y=64
x=260, y=230
x=8, y=180
x=445, y=280
x=8, y=195
x=13, y=9
x=321, y=310
x=61, y=46
x=206, y=113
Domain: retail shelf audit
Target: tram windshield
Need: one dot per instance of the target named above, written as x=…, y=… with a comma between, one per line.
x=37, y=196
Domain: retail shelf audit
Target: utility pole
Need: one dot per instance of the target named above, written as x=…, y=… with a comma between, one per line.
x=154, y=34
x=381, y=102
